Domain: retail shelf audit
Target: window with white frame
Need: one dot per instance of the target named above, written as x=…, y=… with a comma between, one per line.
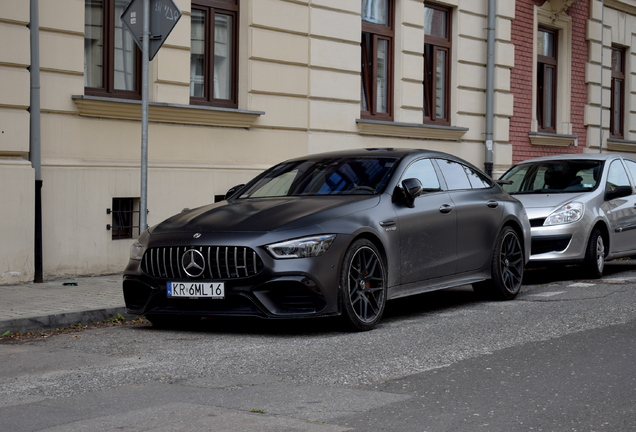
x=437, y=46
x=552, y=87
x=213, y=52
x=376, y=57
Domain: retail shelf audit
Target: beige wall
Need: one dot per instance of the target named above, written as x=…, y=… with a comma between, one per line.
x=17, y=179
x=299, y=70
x=619, y=28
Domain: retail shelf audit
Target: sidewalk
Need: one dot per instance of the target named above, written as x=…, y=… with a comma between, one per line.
x=31, y=307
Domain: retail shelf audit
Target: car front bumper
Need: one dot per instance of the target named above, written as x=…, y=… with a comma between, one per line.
x=567, y=242
x=283, y=288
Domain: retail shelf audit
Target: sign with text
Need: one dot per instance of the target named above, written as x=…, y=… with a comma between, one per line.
x=164, y=15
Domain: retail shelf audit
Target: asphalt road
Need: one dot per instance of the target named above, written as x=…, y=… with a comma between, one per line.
x=561, y=357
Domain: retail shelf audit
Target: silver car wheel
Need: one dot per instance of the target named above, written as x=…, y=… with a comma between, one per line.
x=600, y=254
x=595, y=255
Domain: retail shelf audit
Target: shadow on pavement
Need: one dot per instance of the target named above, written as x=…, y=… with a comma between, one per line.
x=396, y=310
x=543, y=275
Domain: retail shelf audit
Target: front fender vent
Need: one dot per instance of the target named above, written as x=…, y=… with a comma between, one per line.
x=221, y=262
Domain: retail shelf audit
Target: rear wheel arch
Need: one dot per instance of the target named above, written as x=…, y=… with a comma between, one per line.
x=515, y=226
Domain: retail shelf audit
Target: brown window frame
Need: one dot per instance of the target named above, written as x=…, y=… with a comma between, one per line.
x=369, y=68
x=108, y=61
x=618, y=76
x=228, y=7
x=543, y=64
x=430, y=91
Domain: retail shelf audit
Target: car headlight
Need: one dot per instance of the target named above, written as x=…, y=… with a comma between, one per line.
x=569, y=213
x=301, y=248
x=137, y=251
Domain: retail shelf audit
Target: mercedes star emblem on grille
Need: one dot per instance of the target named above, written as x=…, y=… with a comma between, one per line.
x=193, y=263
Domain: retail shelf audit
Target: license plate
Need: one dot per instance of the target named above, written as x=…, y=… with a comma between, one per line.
x=213, y=290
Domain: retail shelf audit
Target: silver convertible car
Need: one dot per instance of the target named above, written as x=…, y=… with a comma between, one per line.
x=332, y=234
x=582, y=207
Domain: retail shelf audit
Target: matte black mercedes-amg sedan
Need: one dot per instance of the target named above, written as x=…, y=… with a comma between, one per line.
x=333, y=234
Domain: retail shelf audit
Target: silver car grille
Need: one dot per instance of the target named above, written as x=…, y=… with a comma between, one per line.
x=221, y=262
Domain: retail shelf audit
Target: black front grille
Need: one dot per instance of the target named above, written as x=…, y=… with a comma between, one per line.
x=550, y=244
x=297, y=298
x=537, y=222
x=221, y=262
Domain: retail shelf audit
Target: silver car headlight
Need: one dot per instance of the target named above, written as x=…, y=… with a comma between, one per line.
x=569, y=213
x=137, y=251
x=301, y=248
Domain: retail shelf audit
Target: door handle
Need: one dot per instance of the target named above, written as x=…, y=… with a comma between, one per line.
x=492, y=204
x=445, y=208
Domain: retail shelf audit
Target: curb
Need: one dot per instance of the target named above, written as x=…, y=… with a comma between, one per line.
x=60, y=320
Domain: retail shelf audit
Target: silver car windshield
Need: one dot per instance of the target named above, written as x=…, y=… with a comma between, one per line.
x=565, y=176
x=332, y=176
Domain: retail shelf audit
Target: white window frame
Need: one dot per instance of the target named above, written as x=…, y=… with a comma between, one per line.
x=563, y=24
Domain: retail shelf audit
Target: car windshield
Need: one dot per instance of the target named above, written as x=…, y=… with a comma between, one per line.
x=330, y=176
x=561, y=176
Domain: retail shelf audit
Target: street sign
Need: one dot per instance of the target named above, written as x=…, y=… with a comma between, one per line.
x=164, y=15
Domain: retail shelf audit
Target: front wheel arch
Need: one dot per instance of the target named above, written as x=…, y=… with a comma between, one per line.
x=363, y=285
x=602, y=227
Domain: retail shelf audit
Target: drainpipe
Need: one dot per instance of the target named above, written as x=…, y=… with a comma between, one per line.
x=490, y=86
x=600, y=143
x=34, y=135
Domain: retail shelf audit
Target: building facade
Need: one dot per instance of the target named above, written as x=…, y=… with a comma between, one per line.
x=240, y=85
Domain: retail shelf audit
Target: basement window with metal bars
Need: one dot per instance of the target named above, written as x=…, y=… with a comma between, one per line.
x=125, y=218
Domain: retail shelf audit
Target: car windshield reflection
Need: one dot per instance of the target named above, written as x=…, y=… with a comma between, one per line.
x=330, y=176
x=553, y=177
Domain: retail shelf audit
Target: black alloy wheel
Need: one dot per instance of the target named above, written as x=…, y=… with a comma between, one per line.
x=363, y=281
x=594, y=261
x=506, y=268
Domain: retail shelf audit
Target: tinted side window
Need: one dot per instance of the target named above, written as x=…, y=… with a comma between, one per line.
x=617, y=175
x=477, y=179
x=454, y=174
x=424, y=171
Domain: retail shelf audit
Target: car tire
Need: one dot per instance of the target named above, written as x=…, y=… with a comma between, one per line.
x=506, y=268
x=172, y=321
x=363, y=281
x=594, y=262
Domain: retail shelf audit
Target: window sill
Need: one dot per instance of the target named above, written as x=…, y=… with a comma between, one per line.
x=410, y=130
x=549, y=139
x=126, y=109
x=621, y=145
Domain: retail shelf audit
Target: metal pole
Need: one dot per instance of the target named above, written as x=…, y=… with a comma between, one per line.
x=34, y=136
x=490, y=86
x=143, y=204
x=600, y=144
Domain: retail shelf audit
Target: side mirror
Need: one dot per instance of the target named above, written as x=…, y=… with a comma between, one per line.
x=412, y=189
x=617, y=192
x=233, y=190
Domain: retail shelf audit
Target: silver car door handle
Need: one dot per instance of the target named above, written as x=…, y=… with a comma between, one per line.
x=492, y=204
x=445, y=208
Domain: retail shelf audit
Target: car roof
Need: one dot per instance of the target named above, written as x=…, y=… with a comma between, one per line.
x=376, y=152
x=577, y=156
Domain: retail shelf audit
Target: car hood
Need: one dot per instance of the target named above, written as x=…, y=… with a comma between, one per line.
x=539, y=205
x=265, y=214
